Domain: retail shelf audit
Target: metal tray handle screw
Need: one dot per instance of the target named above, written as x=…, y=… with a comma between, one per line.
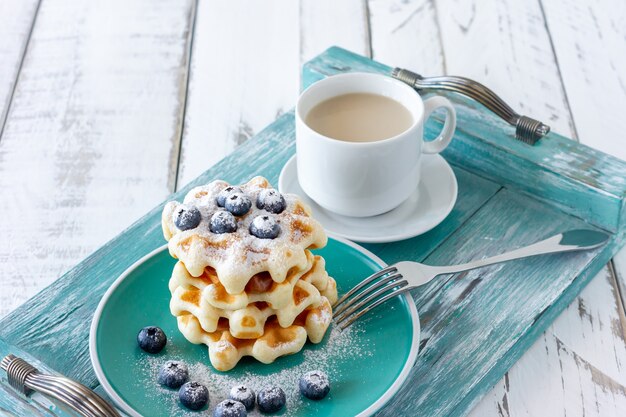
x=25, y=378
x=527, y=130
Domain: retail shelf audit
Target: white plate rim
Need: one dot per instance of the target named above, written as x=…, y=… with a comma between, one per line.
x=385, y=238
x=377, y=405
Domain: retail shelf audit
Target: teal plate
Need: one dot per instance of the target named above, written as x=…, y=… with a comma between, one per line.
x=366, y=363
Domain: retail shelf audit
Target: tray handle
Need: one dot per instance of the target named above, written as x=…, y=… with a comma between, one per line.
x=25, y=378
x=527, y=130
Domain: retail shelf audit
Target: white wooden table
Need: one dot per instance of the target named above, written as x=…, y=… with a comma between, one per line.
x=108, y=106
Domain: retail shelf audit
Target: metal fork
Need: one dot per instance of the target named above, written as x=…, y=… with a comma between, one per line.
x=405, y=276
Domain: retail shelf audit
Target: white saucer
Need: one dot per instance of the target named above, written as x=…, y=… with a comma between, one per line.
x=437, y=191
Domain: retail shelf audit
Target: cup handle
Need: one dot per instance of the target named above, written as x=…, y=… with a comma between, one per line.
x=443, y=140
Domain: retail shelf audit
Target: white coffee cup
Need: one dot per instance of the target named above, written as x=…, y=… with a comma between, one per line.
x=362, y=179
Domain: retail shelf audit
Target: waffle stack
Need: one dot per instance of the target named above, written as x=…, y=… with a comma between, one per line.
x=247, y=287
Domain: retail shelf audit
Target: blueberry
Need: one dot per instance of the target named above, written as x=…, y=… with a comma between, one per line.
x=173, y=374
x=222, y=222
x=271, y=399
x=151, y=339
x=314, y=385
x=271, y=200
x=238, y=204
x=193, y=395
x=264, y=227
x=230, y=408
x=242, y=394
x=187, y=217
x=225, y=193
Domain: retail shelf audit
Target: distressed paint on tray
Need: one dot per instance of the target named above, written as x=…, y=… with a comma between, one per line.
x=55, y=322
x=63, y=310
x=476, y=324
x=573, y=177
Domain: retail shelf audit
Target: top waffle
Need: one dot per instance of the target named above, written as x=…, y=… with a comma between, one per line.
x=226, y=242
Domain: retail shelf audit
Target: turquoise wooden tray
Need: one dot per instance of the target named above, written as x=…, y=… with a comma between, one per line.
x=475, y=325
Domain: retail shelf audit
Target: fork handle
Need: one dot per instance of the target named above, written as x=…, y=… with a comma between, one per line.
x=569, y=241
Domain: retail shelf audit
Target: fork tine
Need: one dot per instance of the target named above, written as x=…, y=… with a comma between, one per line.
x=366, y=281
x=366, y=291
x=390, y=286
x=372, y=306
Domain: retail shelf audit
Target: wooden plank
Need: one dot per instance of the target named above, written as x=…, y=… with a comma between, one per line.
x=231, y=101
x=597, y=310
x=619, y=271
x=588, y=41
x=494, y=314
x=17, y=18
x=324, y=23
x=574, y=368
x=556, y=170
x=228, y=103
x=583, y=80
x=99, y=99
x=406, y=34
x=505, y=45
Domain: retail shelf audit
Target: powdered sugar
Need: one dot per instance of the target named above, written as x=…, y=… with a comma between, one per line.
x=332, y=355
x=223, y=222
x=199, y=247
x=325, y=316
x=186, y=217
x=265, y=227
x=194, y=392
x=221, y=346
x=316, y=378
x=271, y=200
x=264, y=223
x=225, y=193
x=238, y=204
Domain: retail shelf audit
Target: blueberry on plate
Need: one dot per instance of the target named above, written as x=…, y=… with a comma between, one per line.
x=230, y=408
x=223, y=222
x=173, y=374
x=314, y=385
x=151, y=339
x=271, y=200
x=238, y=204
x=225, y=193
x=264, y=227
x=186, y=218
x=193, y=395
x=244, y=395
x=271, y=399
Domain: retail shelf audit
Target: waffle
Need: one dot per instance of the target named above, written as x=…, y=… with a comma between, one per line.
x=261, y=288
x=247, y=288
x=237, y=257
x=247, y=321
x=225, y=351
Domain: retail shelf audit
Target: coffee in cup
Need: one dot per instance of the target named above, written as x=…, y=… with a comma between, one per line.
x=360, y=139
x=359, y=117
